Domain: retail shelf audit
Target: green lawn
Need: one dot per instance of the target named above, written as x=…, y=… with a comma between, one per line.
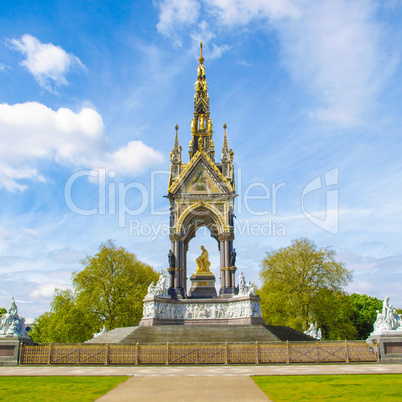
x=351, y=388
x=79, y=389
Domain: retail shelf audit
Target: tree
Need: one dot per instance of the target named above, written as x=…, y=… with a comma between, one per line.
x=364, y=313
x=303, y=284
x=112, y=286
x=333, y=314
x=66, y=321
x=107, y=292
x=2, y=311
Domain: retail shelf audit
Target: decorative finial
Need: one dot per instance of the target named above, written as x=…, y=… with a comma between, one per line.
x=201, y=59
x=176, y=140
x=225, y=139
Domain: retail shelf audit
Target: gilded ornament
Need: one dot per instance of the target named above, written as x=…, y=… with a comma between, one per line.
x=202, y=123
x=203, y=263
x=209, y=125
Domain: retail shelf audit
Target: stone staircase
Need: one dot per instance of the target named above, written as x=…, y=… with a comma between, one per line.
x=288, y=334
x=114, y=336
x=200, y=334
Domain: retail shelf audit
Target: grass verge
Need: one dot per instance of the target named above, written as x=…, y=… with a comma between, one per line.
x=356, y=388
x=60, y=389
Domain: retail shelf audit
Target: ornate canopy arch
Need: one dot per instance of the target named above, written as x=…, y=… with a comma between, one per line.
x=198, y=215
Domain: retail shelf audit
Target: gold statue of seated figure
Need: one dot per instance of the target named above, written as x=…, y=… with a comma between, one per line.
x=203, y=263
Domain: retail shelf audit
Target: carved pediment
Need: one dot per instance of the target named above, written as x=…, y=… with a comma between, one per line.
x=201, y=176
x=201, y=181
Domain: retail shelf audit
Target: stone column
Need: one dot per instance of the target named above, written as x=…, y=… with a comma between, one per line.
x=177, y=288
x=222, y=255
x=233, y=276
x=181, y=272
x=185, y=249
x=175, y=251
x=227, y=271
x=171, y=278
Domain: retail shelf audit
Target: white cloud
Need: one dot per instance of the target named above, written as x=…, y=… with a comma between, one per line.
x=334, y=49
x=235, y=12
x=46, y=290
x=176, y=13
x=133, y=157
x=4, y=234
x=31, y=132
x=204, y=34
x=31, y=233
x=3, y=67
x=48, y=63
x=377, y=277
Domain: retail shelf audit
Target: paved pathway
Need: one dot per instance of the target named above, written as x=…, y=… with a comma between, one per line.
x=201, y=371
x=237, y=389
x=195, y=383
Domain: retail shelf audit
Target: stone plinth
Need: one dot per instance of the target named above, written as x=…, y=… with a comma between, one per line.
x=10, y=348
x=12, y=333
x=390, y=343
x=202, y=286
x=239, y=310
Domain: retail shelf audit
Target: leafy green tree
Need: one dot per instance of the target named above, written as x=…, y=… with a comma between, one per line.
x=112, y=286
x=2, y=311
x=107, y=292
x=303, y=284
x=364, y=313
x=66, y=321
x=334, y=316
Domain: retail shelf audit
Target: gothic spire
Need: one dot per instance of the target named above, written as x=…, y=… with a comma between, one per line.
x=225, y=156
x=176, y=140
x=175, y=153
x=225, y=139
x=201, y=123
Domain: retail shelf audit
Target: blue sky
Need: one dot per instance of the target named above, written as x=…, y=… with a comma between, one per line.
x=91, y=92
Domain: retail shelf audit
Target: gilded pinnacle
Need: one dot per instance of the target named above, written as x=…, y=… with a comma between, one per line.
x=201, y=59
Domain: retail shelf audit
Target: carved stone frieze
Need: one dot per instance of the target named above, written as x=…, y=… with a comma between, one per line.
x=188, y=311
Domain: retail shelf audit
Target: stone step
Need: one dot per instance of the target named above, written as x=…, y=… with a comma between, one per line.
x=288, y=334
x=114, y=336
x=213, y=334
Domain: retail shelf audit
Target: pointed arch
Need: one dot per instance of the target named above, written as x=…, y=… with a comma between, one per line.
x=198, y=215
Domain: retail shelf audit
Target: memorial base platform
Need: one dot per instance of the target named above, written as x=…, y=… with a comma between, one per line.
x=237, y=310
x=159, y=334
